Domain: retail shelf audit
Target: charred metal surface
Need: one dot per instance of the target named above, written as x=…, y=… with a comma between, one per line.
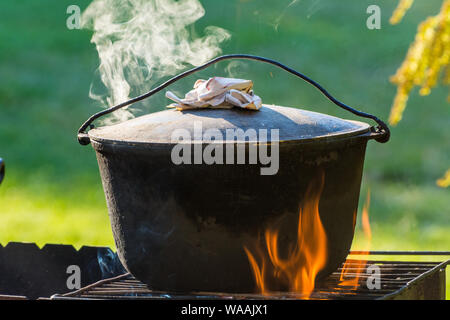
x=26, y=270
x=399, y=280
x=183, y=227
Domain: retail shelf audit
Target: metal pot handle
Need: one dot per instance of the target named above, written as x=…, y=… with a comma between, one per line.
x=2, y=170
x=381, y=133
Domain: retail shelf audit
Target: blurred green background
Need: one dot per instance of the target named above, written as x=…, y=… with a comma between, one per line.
x=52, y=191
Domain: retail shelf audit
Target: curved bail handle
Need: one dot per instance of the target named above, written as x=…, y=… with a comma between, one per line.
x=381, y=133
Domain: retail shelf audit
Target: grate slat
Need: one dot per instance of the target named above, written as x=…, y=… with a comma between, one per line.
x=395, y=277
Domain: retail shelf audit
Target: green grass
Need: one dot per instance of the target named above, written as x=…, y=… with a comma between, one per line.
x=52, y=191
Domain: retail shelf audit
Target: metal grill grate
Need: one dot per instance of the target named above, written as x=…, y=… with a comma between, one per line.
x=398, y=280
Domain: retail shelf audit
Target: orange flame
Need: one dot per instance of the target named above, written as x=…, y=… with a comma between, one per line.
x=305, y=258
x=351, y=272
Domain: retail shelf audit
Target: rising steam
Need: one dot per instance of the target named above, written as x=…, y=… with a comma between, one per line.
x=140, y=41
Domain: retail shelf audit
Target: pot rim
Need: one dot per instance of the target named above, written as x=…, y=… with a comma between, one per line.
x=353, y=136
x=174, y=120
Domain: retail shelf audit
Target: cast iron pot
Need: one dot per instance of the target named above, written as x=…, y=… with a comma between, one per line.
x=183, y=227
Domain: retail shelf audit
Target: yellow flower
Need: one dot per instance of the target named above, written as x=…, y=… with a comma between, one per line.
x=444, y=182
x=427, y=58
x=399, y=13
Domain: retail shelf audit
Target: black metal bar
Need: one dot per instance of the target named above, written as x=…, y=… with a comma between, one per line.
x=401, y=253
x=10, y=297
x=2, y=170
x=382, y=127
x=94, y=285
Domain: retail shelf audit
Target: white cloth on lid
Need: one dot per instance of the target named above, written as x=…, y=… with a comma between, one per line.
x=218, y=93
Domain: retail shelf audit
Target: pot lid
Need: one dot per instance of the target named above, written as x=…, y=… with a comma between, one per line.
x=292, y=124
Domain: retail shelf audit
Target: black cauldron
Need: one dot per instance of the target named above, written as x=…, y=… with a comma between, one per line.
x=181, y=226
